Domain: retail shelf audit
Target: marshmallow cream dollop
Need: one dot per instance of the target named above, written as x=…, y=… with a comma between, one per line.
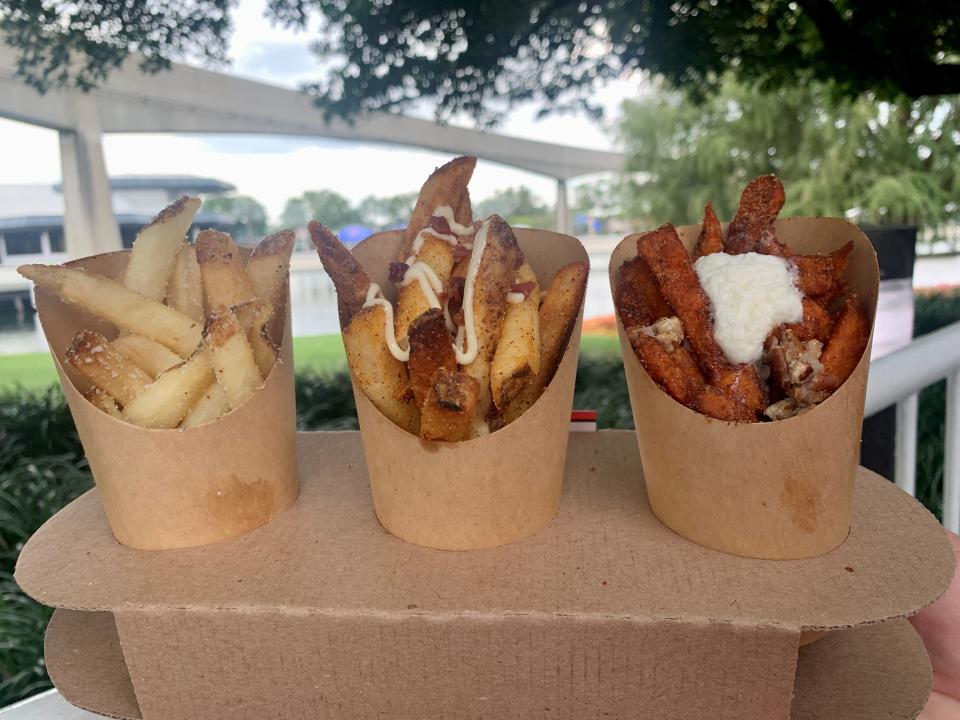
x=751, y=294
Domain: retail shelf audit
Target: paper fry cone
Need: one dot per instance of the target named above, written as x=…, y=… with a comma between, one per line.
x=776, y=490
x=487, y=491
x=165, y=489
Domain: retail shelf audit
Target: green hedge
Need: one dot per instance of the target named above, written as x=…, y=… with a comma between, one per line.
x=42, y=468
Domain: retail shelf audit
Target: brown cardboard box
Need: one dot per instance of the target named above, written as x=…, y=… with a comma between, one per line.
x=777, y=490
x=604, y=613
x=178, y=488
x=487, y=491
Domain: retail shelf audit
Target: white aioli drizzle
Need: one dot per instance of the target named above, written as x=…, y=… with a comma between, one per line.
x=375, y=297
x=466, y=347
x=515, y=298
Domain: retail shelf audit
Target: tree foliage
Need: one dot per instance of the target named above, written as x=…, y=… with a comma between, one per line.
x=876, y=162
x=481, y=57
x=518, y=205
x=329, y=207
x=249, y=214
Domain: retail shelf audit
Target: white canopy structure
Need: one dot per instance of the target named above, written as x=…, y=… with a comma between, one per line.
x=191, y=100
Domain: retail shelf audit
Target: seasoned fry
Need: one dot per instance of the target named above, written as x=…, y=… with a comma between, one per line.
x=115, y=303
x=231, y=357
x=102, y=400
x=253, y=317
x=751, y=229
x=211, y=405
x=494, y=278
x=449, y=406
x=168, y=399
x=147, y=354
x=463, y=211
x=269, y=266
x=841, y=354
x=94, y=356
x=185, y=289
x=225, y=283
x=558, y=316
x=380, y=376
x=517, y=357
x=348, y=276
x=412, y=300
x=711, y=235
x=156, y=248
x=648, y=301
x=431, y=348
x=821, y=276
x=445, y=187
x=675, y=371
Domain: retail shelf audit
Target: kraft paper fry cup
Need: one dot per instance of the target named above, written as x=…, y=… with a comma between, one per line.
x=164, y=489
x=484, y=492
x=773, y=490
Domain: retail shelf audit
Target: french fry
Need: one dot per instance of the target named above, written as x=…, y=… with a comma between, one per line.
x=674, y=369
x=711, y=235
x=348, y=276
x=816, y=324
x=380, y=376
x=211, y=405
x=254, y=316
x=463, y=211
x=412, y=302
x=96, y=358
x=446, y=186
x=102, y=400
x=449, y=407
x=821, y=277
x=751, y=229
x=489, y=302
x=517, y=357
x=841, y=354
x=115, y=303
x=156, y=248
x=231, y=357
x=147, y=354
x=185, y=289
x=168, y=399
x=715, y=403
x=558, y=316
x=648, y=305
x=225, y=283
x=269, y=266
x=431, y=348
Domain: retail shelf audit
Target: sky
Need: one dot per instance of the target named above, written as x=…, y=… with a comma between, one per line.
x=273, y=169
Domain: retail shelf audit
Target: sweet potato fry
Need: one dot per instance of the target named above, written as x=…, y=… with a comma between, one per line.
x=211, y=405
x=185, y=289
x=841, y=354
x=715, y=403
x=816, y=324
x=268, y=267
x=115, y=303
x=558, y=316
x=742, y=383
x=156, y=248
x=102, y=400
x=225, y=283
x=112, y=371
x=431, y=348
x=751, y=227
x=675, y=371
x=380, y=376
x=446, y=186
x=821, y=277
x=517, y=358
x=348, y=276
x=449, y=407
x=711, y=235
x=231, y=357
x=648, y=304
x=168, y=399
x=147, y=354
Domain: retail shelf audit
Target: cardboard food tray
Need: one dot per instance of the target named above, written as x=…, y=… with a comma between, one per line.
x=178, y=488
x=775, y=490
x=322, y=614
x=487, y=491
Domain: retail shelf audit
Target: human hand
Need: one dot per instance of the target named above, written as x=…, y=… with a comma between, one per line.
x=939, y=626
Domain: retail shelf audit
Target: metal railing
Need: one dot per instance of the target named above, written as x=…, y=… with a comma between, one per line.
x=898, y=379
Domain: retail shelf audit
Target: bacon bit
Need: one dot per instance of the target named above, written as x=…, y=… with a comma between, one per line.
x=524, y=288
x=397, y=271
x=440, y=225
x=461, y=252
x=455, y=298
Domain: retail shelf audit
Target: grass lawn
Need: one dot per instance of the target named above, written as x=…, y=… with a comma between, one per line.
x=320, y=353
